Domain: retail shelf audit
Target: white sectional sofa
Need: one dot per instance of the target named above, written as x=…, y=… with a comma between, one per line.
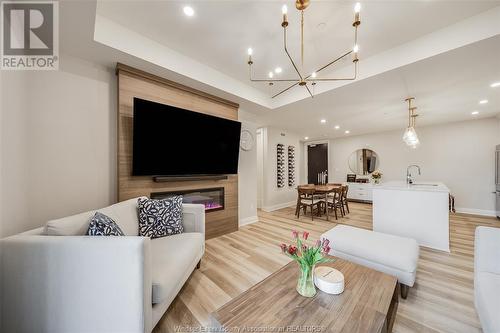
x=53, y=279
x=487, y=278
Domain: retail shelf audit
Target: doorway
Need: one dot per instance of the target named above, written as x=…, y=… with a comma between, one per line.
x=317, y=162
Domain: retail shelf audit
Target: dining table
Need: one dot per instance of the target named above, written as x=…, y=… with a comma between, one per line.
x=321, y=189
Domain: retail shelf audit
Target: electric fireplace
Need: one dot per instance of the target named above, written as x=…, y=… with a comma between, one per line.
x=211, y=198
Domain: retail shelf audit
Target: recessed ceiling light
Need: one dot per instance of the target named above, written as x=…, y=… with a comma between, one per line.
x=474, y=113
x=347, y=132
x=323, y=121
x=278, y=70
x=495, y=84
x=484, y=101
x=189, y=11
x=306, y=138
x=337, y=127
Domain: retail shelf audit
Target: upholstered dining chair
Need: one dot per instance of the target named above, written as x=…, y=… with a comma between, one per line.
x=305, y=199
x=334, y=201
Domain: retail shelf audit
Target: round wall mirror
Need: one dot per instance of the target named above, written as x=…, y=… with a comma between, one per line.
x=363, y=162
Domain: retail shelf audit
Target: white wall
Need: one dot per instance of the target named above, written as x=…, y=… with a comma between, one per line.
x=259, y=143
x=498, y=118
x=273, y=197
x=459, y=154
x=1, y=155
x=58, y=146
x=247, y=180
x=58, y=139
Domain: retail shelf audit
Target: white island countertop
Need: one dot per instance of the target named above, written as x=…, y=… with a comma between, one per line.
x=418, y=211
x=427, y=186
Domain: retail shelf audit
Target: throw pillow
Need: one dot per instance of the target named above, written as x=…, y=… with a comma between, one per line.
x=159, y=218
x=102, y=225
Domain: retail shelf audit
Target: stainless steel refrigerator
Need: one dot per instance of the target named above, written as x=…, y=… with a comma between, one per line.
x=497, y=180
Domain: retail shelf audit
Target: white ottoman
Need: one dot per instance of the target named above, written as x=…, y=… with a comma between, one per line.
x=394, y=255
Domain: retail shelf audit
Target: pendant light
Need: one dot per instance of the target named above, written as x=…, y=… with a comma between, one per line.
x=410, y=136
x=303, y=79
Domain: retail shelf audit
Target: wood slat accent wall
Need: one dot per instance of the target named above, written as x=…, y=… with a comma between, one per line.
x=135, y=83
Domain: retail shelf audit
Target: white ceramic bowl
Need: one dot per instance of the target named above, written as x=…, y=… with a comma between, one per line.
x=329, y=280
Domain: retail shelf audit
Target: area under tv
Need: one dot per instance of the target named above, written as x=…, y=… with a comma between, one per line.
x=187, y=178
x=211, y=198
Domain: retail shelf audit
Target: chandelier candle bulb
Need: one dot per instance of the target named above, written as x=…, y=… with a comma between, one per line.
x=357, y=9
x=284, y=10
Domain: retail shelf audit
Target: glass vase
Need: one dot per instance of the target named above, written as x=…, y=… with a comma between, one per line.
x=305, y=284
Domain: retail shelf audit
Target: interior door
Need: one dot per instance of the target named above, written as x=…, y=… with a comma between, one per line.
x=317, y=161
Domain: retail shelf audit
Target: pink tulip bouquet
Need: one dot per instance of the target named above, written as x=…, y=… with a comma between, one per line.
x=307, y=257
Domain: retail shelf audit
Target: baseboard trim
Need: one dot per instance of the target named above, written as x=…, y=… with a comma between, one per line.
x=473, y=211
x=249, y=220
x=278, y=206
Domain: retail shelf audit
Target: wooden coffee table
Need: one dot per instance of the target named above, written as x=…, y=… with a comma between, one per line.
x=368, y=304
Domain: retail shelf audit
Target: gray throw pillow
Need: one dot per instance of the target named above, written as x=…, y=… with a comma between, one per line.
x=102, y=225
x=160, y=218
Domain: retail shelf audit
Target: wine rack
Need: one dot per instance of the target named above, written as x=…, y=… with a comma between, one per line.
x=280, y=165
x=291, y=166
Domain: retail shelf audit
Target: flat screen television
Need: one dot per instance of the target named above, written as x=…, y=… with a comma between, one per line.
x=170, y=141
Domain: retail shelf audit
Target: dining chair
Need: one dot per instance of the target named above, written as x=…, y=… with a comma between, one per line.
x=344, y=201
x=334, y=201
x=306, y=198
x=451, y=203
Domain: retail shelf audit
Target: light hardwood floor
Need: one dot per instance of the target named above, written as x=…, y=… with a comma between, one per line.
x=440, y=301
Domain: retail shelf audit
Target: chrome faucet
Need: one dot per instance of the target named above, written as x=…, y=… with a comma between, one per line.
x=409, y=180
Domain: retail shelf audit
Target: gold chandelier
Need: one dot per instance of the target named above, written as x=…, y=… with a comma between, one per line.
x=312, y=78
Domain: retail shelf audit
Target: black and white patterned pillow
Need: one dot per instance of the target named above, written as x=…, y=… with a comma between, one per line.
x=159, y=218
x=102, y=225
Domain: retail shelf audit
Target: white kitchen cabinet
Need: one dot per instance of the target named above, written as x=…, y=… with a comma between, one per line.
x=360, y=192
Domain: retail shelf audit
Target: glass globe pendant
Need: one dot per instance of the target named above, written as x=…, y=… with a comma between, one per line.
x=410, y=136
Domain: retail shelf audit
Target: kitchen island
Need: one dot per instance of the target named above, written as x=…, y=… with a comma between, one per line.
x=418, y=211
